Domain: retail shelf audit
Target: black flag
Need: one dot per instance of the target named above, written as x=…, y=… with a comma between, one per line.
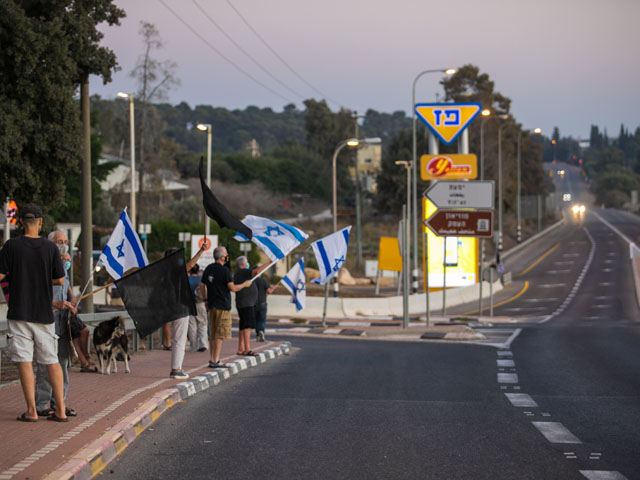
x=158, y=293
x=217, y=211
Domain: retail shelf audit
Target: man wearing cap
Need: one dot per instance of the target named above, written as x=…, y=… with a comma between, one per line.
x=34, y=264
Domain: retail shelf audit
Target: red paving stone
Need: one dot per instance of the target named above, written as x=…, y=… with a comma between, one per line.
x=90, y=394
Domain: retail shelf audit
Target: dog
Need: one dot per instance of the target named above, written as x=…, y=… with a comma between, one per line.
x=109, y=339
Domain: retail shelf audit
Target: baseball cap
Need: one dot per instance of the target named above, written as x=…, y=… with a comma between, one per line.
x=30, y=210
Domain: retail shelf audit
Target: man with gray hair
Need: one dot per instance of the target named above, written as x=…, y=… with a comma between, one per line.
x=245, y=303
x=219, y=282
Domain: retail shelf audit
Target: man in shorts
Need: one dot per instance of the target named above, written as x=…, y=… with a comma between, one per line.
x=245, y=304
x=219, y=282
x=34, y=264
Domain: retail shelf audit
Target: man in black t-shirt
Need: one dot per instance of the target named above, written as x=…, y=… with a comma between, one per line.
x=34, y=264
x=219, y=283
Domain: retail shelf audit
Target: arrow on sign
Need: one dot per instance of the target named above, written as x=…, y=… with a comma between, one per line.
x=460, y=194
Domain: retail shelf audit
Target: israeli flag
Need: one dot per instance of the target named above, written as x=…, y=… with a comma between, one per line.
x=331, y=253
x=275, y=238
x=123, y=250
x=294, y=281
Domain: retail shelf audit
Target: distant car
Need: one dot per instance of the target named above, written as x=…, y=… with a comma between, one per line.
x=566, y=197
x=578, y=209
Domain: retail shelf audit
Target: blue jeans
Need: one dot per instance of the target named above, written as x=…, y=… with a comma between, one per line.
x=261, y=317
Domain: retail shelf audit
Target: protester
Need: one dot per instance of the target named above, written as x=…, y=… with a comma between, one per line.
x=245, y=303
x=63, y=304
x=260, y=308
x=35, y=266
x=219, y=283
x=180, y=327
x=198, y=323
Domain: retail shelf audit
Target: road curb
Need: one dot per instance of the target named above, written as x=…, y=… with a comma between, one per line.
x=91, y=460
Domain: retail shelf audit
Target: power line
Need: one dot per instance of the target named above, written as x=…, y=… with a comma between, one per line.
x=228, y=60
x=291, y=69
x=258, y=64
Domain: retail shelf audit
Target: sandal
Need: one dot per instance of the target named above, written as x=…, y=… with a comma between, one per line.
x=70, y=412
x=89, y=369
x=46, y=412
x=164, y=347
x=54, y=418
x=218, y=365
x=24, y=418
x=250, y=353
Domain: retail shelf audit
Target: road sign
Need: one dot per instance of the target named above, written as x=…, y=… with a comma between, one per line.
x=448, y=167
x=460, y=194
x=461, y=223
x=447, y=120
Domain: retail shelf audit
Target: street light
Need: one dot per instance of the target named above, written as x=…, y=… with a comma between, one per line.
x=537, y=131
x=414, y=208
x=133, y=156
x=405, y=248
x=206, y=127
x=506, y=124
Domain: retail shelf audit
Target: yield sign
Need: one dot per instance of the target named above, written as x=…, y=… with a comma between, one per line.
x=447, y=120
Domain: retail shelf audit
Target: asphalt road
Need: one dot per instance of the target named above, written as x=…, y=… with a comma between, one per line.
x=564, y=398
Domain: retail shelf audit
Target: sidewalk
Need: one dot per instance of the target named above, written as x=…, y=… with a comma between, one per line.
x=112, y=410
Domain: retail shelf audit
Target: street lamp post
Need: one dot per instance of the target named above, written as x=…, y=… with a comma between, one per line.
x=207, y=127
x=412, y=211
x=405, y=248
x=537, y=131
x=132, y=126
x=500, y=128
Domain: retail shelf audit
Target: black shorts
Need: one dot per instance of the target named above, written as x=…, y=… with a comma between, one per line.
x=76, y=325
x=247, y=317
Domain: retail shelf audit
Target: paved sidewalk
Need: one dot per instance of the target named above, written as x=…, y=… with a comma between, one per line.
x=112, y=411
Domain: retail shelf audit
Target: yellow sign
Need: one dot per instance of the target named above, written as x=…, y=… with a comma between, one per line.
x=447, y=120
x=448, y=167
x=389, y=254
x=460, y=254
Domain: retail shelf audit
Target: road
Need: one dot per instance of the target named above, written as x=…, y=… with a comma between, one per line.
x=560, y=402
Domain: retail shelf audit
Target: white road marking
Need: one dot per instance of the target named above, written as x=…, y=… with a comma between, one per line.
x=538, y=300
x=521, y=400
x=570, y=255
x=605, y=284
x=505, y=353
x=506, y=363
x=521, y=309
x=567, y=262
x=555, y=432
x=607, y=270
x=602, y=475
x=552, y=285
x=604, y=297
x=602, y=306
x=507, y=378
x=556, y=272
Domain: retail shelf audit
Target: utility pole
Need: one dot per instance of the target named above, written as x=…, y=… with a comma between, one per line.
x=86, y=245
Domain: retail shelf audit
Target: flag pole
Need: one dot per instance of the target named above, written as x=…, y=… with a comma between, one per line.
x=263, y=270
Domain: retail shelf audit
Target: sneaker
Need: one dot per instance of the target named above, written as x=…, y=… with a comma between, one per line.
x=179, y=375
x=261, y=337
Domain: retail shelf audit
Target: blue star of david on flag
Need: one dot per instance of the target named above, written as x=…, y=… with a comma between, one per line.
x=275, y=238
x=123, y=250
x=331, y=248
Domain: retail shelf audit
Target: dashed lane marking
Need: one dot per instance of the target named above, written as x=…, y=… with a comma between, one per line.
x=507, y=378
x=505, y=353
x=555, y=432
x=506, y=363
x=552, y=285
x=556, y=272
x=545, y=255
x=521, y=400
x=602, y=475
x=537, y=300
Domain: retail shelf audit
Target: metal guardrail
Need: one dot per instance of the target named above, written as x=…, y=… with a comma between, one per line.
x=91, y=320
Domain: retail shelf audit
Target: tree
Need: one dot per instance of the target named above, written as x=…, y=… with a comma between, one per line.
x=155, y=78
x=48, y=47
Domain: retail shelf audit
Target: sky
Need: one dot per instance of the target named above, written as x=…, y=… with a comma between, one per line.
x=564, y=63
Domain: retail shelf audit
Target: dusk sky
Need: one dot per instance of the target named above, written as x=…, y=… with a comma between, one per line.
x=565, y=63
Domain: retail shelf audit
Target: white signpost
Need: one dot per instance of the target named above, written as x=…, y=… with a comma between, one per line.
x=462, y=194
